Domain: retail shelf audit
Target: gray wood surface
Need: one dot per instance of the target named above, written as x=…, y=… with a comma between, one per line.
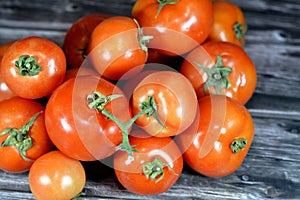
x=272, y=167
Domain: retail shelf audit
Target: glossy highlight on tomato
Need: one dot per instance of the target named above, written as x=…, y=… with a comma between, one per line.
x=175, y=99
x=221, y=68
x=33, y=67
x=22, y=141
x=177, y=26
x=56, y=176
x=79, y=131
x=218, y=142
x=156, y=167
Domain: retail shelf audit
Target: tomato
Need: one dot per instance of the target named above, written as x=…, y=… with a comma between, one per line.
x=56, y=176
x=78, y=131
x=117, y=48
x=222, y=138
x=156, y=167
x=33, y=67
x=4, y=47
x=77, y=38
x=5, y=91
x=23, y=135
x=80, y=71
x=221, y=68
x=175, y=100
x=229, y=23
x=177, y=26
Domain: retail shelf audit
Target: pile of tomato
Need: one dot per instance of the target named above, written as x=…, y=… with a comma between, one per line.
x=154, y=91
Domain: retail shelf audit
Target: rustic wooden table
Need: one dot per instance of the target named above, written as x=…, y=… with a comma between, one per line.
x=272, y=167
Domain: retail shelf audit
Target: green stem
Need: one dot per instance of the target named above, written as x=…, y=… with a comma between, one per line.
x=238, y=145
x=27, y=66
x=20, y=138
x=97, y=101
x=155, y=169
x=163, y=3
x=217, y=76
x=143, y=39
x=239, y=31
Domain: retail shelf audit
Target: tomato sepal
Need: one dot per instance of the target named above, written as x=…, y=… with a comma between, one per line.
x=27, y=66
x=19, y=138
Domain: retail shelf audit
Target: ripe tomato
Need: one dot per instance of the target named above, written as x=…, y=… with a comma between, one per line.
x=221, y=68
x=4, y=47
x=229, y=23
x=33, y=67
x=221, y=139
x=157, y=165
x=23, y=135
x=5, y=91
x=80, y=71
x=175, y=100
x=56, y=176
x=78, y=131
x=177, y=26
x=117, y=48
x=77, y=38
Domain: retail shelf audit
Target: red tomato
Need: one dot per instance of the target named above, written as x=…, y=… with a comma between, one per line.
x=78, y=131
x=33, y=67
x=56, y=176
x=5, y=91
x=221, y=68
x=177, y=26
x=229, y=23
x=4, y=47
x=217, y=143
x=77, y=38
x=175, y=100
x=80, y=71
x=116, y=48
x=157, y=165
x=23, y=135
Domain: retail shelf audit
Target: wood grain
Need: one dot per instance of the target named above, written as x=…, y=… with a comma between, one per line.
x=270, y=170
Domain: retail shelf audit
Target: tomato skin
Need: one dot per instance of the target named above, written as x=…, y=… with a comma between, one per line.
x=78, y=36
x=242, y=78
x=56, y=176
x=4, y=47
x=226, y=119
x=15, y=113
x=226, y=15
x=5, y=91
x=175, y=99
x=82, y=71
x=114, y=49
x=177, y=28
x=48, y=55
x=131, y=175
x=78, y=131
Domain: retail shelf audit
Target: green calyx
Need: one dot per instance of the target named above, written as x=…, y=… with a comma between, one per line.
x=162, y=3
x=20, y=138
x=143, y=39
x=27, y=66
x=98, y=101
x=238, y=145
x=217, y=76
x=238, y=29
x=155, y=169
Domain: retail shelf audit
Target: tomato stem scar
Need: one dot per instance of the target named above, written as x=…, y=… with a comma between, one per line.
x=155, y=169
x=97, y=101
x=20, y=138
x=217, y=76
x=238, y=144
x=27, y=66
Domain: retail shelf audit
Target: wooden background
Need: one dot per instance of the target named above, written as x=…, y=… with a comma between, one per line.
x=272, y=167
